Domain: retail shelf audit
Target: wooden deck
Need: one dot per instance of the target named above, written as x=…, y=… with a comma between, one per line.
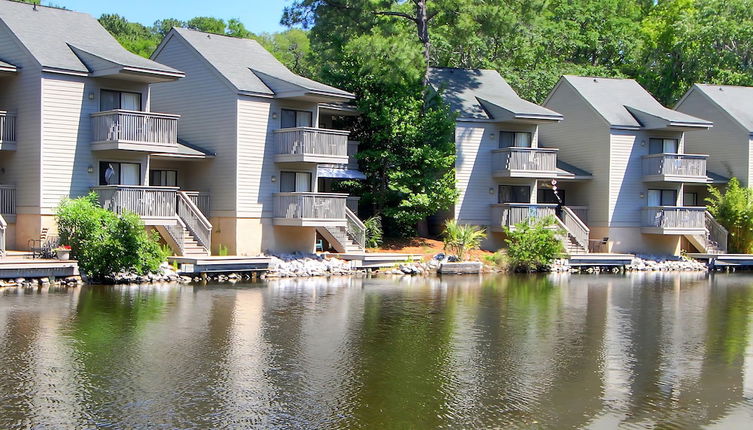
x=600, y=259
x=737, y=260
x=216, y=264
x=373, y=260
x=18, y=264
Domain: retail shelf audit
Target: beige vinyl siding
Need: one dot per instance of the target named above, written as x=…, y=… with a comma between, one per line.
x=20, y=92
x=255, y=158
x=726, y=143
x=582, y=138
x=473, y=172
x=625, y=177
x=208, y=110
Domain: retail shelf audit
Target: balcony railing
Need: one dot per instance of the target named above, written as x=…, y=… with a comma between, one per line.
x=677, y=167
x=530, y=162
x=201, y=200
x=666, y=219
x=147, y=202
x=309, y=207
x=132, y=130
x=7, y=199
x=509, y=214
x=306, y=144
x=7, y=127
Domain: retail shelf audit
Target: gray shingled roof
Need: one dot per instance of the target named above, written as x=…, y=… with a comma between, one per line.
x=251, y=68
x=484, y=94
x=736, y=101
x=50, y=33
x=624, y=103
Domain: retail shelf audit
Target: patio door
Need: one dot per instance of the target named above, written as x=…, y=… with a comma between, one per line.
x=295, y=182
x=663, y=146
x=662, y=198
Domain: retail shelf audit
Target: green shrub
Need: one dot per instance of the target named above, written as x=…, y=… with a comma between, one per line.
x=373, y=231
x=498, y=259
x=533, y=246
x=222, y=250
x=460, y=239
x=105, y=243
x=733, y=209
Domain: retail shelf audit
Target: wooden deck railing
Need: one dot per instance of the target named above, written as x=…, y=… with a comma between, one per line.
x=581, y=212
x=8, y=199
x=524, y=159
x=685, y=165
x=356, y=229
x=7, y=127
x=509, y=214
x=575, y=227
x=194, y=220
x=716, y=234
x=675, y=217
x=3, y=228
x=322, y=206
x=201, y=200
x=311, y=141
x=150, y=202
x=134, y=127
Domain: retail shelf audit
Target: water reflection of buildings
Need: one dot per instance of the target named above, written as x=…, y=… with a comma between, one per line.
x=564, y=351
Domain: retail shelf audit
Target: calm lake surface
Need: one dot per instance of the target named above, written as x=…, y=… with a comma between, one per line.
x=655, y=350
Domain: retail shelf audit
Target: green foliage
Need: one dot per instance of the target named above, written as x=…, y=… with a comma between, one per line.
x=533, y=246
x=222, y=250
x=373, y=231
x=498, y=259
x=733, y=209
x=460, y=239
x=105, y=243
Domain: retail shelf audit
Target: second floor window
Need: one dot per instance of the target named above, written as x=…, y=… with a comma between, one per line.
x=163, y=178
x=517, y=139
x=115, y=173
x=662, y=197
x=295, y=118
x=109, y=100
x=514, y=194
x=295, y=182
x=663, y=146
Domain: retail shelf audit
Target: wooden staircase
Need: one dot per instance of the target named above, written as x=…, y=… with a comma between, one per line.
x=191, y=235
x=713, y=241
x=575, y=239
x=346, y=239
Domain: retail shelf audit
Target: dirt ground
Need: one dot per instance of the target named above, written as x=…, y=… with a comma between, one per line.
x=425, y=247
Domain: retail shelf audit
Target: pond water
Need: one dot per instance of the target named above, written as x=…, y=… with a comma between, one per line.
x=647, y=350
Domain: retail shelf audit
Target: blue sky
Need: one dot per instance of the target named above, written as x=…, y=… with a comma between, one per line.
x=258, y=15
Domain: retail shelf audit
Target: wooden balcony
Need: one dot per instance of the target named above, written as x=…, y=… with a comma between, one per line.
x=7, y=131
x=675, y=168
x=509, y=214
x=155, y=205
x=134, y=131
x=310, y=209
x=311, y=145
x=524, y=163
x=674, y=220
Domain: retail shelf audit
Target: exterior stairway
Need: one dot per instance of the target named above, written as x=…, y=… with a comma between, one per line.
x=713, y=241
x=346, y=239
x=191, y=235
x=577, y=233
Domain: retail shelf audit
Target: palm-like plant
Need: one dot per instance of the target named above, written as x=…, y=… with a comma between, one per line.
x=460, y=239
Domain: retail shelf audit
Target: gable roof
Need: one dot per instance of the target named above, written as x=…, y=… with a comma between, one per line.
x=250, y=68
x=736, y=101
x=485, y=95
x=63, y=40
x=624, y=103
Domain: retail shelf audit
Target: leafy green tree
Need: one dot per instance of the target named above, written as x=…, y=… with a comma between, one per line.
x=207, y=24
x=105, y=243
x=733, y=209
x=532, y=246
x=133, y=36
x=163, y=26
x=460, y=239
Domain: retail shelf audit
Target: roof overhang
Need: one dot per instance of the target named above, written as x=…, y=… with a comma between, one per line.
x=656, y=121
x=501, y=114
x=184, y=151
x=342, y=109
x=102, y=67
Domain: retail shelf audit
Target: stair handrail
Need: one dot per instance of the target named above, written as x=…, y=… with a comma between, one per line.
x=3, y=228
x=576, y=227
x=194, y=220
x=716, y=232
x=356, y=228
x=176, y=234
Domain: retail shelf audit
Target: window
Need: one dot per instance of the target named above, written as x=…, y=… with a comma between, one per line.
x=662, y=197
x=114, y=173
x=517, y=139
x=295, y=182
x=163, y=178
x=514, y=194
x=548, y=196
x=663, y=146
x=295, y=118
x=690, y=199
x=109, y=100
